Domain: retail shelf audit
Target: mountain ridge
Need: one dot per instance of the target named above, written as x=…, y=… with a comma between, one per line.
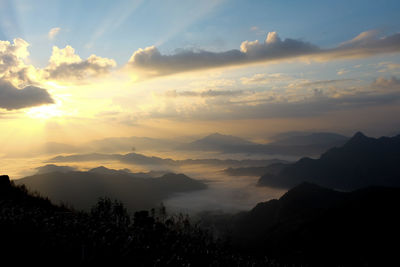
x=360, y=162
x=311, y=224
x=302, y=144
x=82, y=189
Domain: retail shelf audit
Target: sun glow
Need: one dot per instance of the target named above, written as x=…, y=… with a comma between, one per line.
x=45, y=112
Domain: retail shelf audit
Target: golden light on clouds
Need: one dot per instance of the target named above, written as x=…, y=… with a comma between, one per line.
x=186, y=92
x=167, y=70
x=45, y=112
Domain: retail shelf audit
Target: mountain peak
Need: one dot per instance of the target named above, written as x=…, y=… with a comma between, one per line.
x=305, y=188
x=105, y=170
x=217, y=140
x=309, y=194
x=359, y=135
x=100, y=168
x=358, y=138
x=220, y=136
x=215, y=135
x=362, y=161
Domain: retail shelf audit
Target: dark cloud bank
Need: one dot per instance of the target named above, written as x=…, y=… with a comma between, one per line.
x=13, y=98
x=153, y=63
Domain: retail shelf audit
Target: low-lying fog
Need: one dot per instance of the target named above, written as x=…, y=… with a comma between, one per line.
x=224, y=193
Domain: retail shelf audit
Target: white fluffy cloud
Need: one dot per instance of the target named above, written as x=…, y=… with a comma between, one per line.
x=151, y=62
x=12, y=65
x=64, y=64
x=17, y=79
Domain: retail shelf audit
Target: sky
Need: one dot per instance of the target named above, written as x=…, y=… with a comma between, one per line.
x=75, y=71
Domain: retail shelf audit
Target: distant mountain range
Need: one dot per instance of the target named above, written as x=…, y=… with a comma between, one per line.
x=289, y=144
x=320, y=226
x=274, y=164
x=361, y=161
x=122, y=144
x=139, y=159
x=82, y=189
x=295, y=144
x=218, y=142
x=150, y=174
x=309, y=139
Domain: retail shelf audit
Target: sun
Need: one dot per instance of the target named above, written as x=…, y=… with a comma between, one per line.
x=45, y=112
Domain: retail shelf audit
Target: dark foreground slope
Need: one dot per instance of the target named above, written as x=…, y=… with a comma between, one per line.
x=82, y=189
x=308, y=226
x=315, y=225
x=35, y=232
x=361, y=162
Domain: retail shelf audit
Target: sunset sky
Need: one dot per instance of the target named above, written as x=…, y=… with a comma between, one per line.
x=74, y=71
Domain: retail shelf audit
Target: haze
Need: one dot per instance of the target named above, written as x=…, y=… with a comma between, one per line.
x=155, y=77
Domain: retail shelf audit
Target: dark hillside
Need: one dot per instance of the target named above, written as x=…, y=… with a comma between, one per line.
x=312, y=224
x=34, y=231
x=362, y=161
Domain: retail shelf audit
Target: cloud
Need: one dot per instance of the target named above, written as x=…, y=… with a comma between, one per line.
x=150, y=62
x=206, y=93
x=153, y=63
x=11, y=54
x=16, y=78
x=13, y=98
x=391, y=83
x=389, y=67
x=315, y=105
x=365, y=44
x=393, y=66
x=342, y=71
x=12, y=66
x=261, y=78
x=64, y=65
x=362, y=38
x=257, y=30
x=53, y=33
x=322, y=83
x=317, y=98
x=312, y=106
x=254, y=28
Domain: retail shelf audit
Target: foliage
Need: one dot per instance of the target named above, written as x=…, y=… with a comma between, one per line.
x=35, y=231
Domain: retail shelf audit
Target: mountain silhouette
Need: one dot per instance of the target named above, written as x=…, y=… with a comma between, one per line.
x=54, y=168
x=82, y=189
x=218, y=142
x=362, y=161
x=157, y=162
x=273, y=165
x=36, y=232
x=295, y=144
x=309, y=139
